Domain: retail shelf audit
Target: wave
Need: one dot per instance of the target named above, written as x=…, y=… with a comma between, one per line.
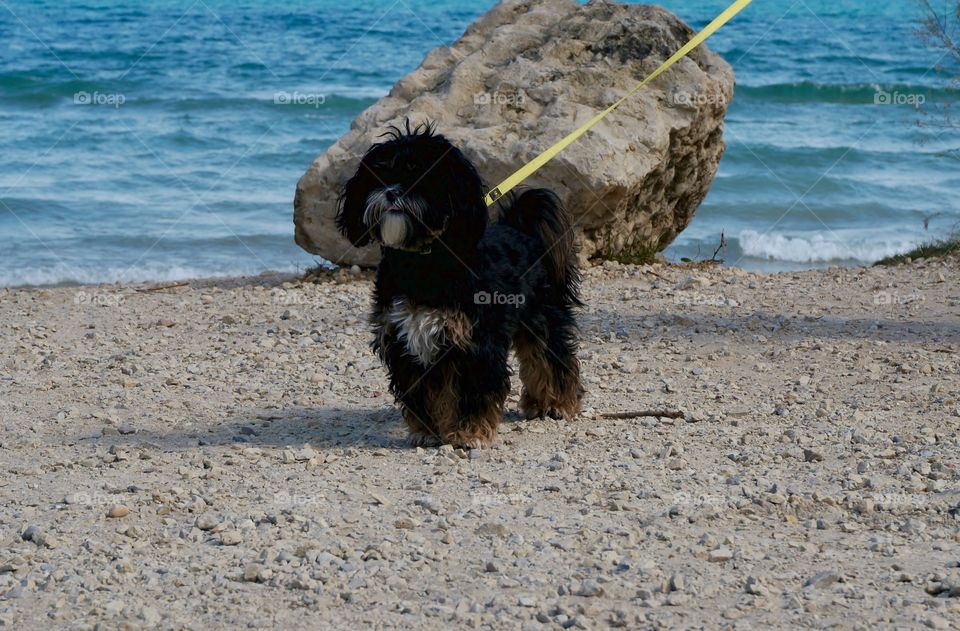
x=820, y=247
x=62, y=275
x=850, y=93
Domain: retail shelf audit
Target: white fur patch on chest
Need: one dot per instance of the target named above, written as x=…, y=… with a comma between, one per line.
x=423, y=330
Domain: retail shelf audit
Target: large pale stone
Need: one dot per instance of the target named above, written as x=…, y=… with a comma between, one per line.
x=522, y=77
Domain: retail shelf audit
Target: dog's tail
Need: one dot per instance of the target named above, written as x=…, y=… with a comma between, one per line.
x=538, y=213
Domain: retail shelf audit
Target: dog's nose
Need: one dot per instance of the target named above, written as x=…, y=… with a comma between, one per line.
x=392, y=195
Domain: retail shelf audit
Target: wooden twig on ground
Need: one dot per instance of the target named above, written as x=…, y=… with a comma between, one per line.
x=642, y=413
x=181, y=283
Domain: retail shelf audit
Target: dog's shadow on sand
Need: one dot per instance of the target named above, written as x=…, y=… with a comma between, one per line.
x=322, y=428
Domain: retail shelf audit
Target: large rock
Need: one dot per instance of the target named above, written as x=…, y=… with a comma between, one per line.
x=522, y=77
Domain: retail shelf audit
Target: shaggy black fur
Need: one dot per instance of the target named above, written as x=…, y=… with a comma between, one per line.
x=485, y=287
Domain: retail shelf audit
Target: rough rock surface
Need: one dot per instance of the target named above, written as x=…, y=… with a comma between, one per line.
x=244, y=425
x=525, y=75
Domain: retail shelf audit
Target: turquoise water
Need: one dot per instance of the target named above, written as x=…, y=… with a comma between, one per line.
x=162, y=141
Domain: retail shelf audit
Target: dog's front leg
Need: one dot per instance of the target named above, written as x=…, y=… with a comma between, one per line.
x=411, y=385
x=483, y=384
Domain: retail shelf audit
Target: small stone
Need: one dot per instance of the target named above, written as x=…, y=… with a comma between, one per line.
x=809, y=455
x=822, y=580
x=230, y=538
x=937, y=622
x=692, y=282
x=754, y=587
x=207, y=521
x=430, y=503
x=496, y=530
x=305, y=454
x=720, y=555
x=150, y=615
x=590, y=588
x=406, y=523
x=117, y=511
x=40, y=538
x=776, y=498
x=12, y=564
x=300, y=581
x=678, y=599
x=251, y=572
x=676, y=464
x=678, y=583
x=46, y=540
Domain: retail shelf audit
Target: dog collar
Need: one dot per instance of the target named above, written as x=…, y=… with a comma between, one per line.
x=425, y=250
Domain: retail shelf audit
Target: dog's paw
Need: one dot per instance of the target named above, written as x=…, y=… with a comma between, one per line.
x=471, y=440
x=416, y=439
x=474, y=443
x=537, y=412
x=567, y=410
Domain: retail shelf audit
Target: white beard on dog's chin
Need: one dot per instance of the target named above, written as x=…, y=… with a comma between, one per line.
x=393, y=229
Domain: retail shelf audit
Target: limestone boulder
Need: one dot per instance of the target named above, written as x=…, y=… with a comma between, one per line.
x=523, y=76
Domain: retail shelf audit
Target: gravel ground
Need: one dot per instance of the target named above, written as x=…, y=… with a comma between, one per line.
x=223, y=455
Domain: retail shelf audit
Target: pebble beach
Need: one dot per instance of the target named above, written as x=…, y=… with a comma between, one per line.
x=756, y=451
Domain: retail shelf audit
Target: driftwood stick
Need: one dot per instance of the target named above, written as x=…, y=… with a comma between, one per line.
x=182, y=283
x=641, y=413
x=723, y=244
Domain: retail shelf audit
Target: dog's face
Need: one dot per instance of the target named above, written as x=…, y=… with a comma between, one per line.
x=409, y=191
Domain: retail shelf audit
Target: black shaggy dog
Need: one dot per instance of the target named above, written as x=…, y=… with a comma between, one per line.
x=454, y=292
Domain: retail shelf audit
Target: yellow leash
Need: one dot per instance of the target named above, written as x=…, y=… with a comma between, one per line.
x=530, y=168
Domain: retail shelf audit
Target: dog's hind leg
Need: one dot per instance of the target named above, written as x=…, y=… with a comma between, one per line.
x=546, y=347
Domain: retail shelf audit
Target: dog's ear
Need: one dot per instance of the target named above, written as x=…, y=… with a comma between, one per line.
x=351, y=205
x=470, y=216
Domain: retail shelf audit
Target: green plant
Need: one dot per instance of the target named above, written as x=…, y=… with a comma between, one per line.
x=935, y=249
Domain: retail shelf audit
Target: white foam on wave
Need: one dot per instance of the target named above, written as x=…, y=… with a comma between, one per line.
x=822, y=247
x=62, y=274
